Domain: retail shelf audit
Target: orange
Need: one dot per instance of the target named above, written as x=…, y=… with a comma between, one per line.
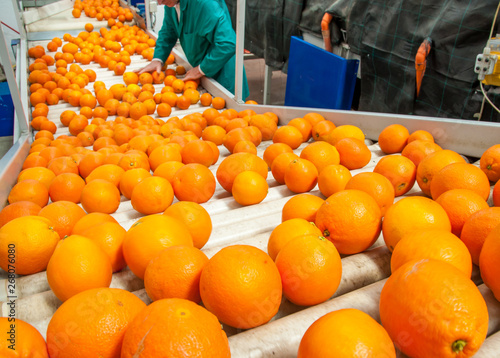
x=77, y=264
x=237, y=163
x=109, y=172
x=457, y=327
x=63, y=165
x=421, y=135
x=249, y=188
x=148, y=236
x=43, y=175
x=351, y=219
x=332, y=179
x=100, y=196
x=145, y=77
x=477, y=227
x=303, y=126
x=275, y=149
x=63, y=215
x=244, y=278
x=29, y=190
x=460, y=204
x=460, y=176
x=378, y=186
x=197, y=151
x=419, y=149
x=488, y=261
x=90, y=162
x=195, y=217
x=168, y=169
x=180, y=327
x=34, y=160
x=206, y=99
x=410, y=214
x=287, y=231
x=130, y=179
x=432, y=244
x=100, y=317
x=109, y=237
x=183, y=266
x=236, y=123
x=314, y=118
x=265, y=124
x=321, y=130
x=432, y=164
x=21, y=339
x=344, y=131
x=320, y=259
x=354, y=154
x=400, y=171
x=280, y=164
x=90, y=220
x=304, y=206
x=496, y=195
x=34, y=241
x=234, y=136
x=301, y=176
x=134, y=159
x=245, y=146
x=490, y=163
x=152, y=195
x=321, y=154
x=130, y=78
x=194, y=182
x=214, y=134
x=355, y=332
x=288, y=135
x=393, y=138
x=18, y=209
x=218, y=102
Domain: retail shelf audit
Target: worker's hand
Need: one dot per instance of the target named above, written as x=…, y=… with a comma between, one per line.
x=154, y=65
x=193, y=74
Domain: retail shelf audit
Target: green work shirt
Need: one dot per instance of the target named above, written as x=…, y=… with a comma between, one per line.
x=207, y=39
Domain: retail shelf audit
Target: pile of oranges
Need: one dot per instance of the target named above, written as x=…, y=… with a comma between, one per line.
x=123, y=143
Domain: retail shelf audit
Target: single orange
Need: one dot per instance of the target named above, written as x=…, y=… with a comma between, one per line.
x=378, y=186
x=168, y=169
x=265, y=124
x=152, y=195
x=344, y=131
x=63, y=215
x=304, y=206
x=421, y=135
x=249, y=188
x=29, y=190
x=321, y=154
x=321, y=130
x=488, y=261
x=18, y=209
x=100, y=196
x=288, y=135
x=490, y=163
x=130, y=179
x=301, y=176
x=275, y=149
x=91, y=220
x=400, y=171
x=354, y=153
x=393, y=138
x=194, y=182
x=417, y=150
x=332, y=179
x=237, y=163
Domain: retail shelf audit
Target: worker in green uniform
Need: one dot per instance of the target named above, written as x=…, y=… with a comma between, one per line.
x=207, y=39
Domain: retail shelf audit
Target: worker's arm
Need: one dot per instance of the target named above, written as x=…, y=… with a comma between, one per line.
x=222, y=42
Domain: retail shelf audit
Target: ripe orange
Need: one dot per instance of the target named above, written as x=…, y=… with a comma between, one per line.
x=421, y=135
x=109, y=237
x=91, y=220
x=393, y=138
x=301, y=176
x=130, y=179
x=288, y=135
x=194, y=182
x=432, y=244
x=332, y=179
x=148, y=236
x=183, y=266
x=218, y=102
x=237, y=163
x=63, y=215
x=245, y=146
x=355, y=332
x=488, y=261
x=378, y=186
x=29, y=190
x=304, y=206
x=321, y=154
x=180, y=327
x=460, y=204
x=206, y=99
x=321, y=130
x=214, y=134
x=477, y=227
x=344, y=131
x=320, y=259
x=265, y=124
x=152, y=195
x=303, y=126
x=43, y=175
x=33, y=239
x=280, y=164
x=195, y=217
x=400, y=171
x=168, y=169
x=244, y=278
x=460, y=176
x=490, y=163
x=197, y=151
x=275, y=149
x=89, y=162
x=25, y=339
x=410, y=214
x=100, y=196
x=18, y=209
x=419, y=149
x=432, y=164
x=414, y=291
x=100, y=317
x=354, y=154
x=351, y=219
x=77, y=264
x=496, y=194
x=249, y=188
x=287, y=231
x=109, y=172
